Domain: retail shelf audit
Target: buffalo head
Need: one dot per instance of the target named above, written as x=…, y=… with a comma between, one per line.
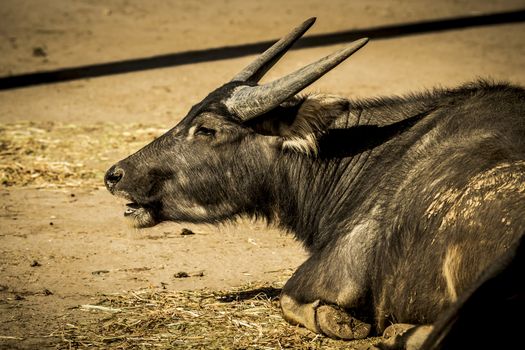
x=216, y=163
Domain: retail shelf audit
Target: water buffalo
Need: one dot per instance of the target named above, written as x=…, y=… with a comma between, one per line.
x=401, y=202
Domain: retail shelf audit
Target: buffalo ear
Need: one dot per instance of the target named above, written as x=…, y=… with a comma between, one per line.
x=301, y=121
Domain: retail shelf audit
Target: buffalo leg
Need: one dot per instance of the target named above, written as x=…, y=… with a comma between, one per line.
x=309, y=301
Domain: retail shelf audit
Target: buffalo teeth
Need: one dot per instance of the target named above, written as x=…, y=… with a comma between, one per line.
x=131, y=208
x=129, y=211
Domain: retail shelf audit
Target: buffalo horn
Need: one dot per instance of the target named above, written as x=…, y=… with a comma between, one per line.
x=256, y=70
x=250, y=101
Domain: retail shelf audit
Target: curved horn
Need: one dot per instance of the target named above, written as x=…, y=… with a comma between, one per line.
x=251, y=101
x=256, y=70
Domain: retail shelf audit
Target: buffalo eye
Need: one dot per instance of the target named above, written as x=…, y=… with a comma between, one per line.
x=201, y=130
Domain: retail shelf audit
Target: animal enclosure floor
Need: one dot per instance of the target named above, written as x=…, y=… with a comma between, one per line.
x=63, y=242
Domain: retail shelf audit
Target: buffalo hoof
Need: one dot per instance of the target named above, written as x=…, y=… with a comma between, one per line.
x=396, y=329
x=403, y=337
x=337, y=324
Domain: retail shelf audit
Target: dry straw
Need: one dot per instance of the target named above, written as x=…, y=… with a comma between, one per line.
x=56, y=155
x=242, y=318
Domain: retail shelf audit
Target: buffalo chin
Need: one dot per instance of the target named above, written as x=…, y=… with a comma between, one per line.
x=139, y=217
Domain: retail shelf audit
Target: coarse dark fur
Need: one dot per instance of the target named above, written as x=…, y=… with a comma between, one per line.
x=484, y=317
x=401, y=202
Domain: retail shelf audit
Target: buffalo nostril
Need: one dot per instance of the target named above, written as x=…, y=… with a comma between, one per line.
x=113, y=176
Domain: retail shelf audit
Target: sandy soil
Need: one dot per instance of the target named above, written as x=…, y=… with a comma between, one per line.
x=61, y=248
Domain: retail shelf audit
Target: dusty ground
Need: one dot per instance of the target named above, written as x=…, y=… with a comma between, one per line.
x=62, y=240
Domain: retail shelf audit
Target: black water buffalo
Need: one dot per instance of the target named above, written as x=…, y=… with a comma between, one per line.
x=484, y=317
x=402, y=203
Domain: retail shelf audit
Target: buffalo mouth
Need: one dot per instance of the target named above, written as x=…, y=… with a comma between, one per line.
x=140, y=216
x=132, y=209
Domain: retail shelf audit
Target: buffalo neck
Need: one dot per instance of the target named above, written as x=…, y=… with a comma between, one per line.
x=316, y=196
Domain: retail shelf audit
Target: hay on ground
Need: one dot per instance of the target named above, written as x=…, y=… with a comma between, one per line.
x=243, y=318
x=57, y=155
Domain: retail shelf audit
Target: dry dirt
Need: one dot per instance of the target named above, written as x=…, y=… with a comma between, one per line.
x=62, y=240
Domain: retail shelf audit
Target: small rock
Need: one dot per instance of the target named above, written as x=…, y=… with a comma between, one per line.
x=39, y=52
x=19, y=297
x=51, y=223
x=198, y=274
x=35, y=264
x=47, y=292
x=181, y=274
x=186, y=232
x=99, y=272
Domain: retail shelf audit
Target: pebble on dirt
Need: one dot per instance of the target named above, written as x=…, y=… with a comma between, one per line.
x=35, y=264
x=39, y=52
x=181, y=274
x=99, y=272
x=186, y=232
